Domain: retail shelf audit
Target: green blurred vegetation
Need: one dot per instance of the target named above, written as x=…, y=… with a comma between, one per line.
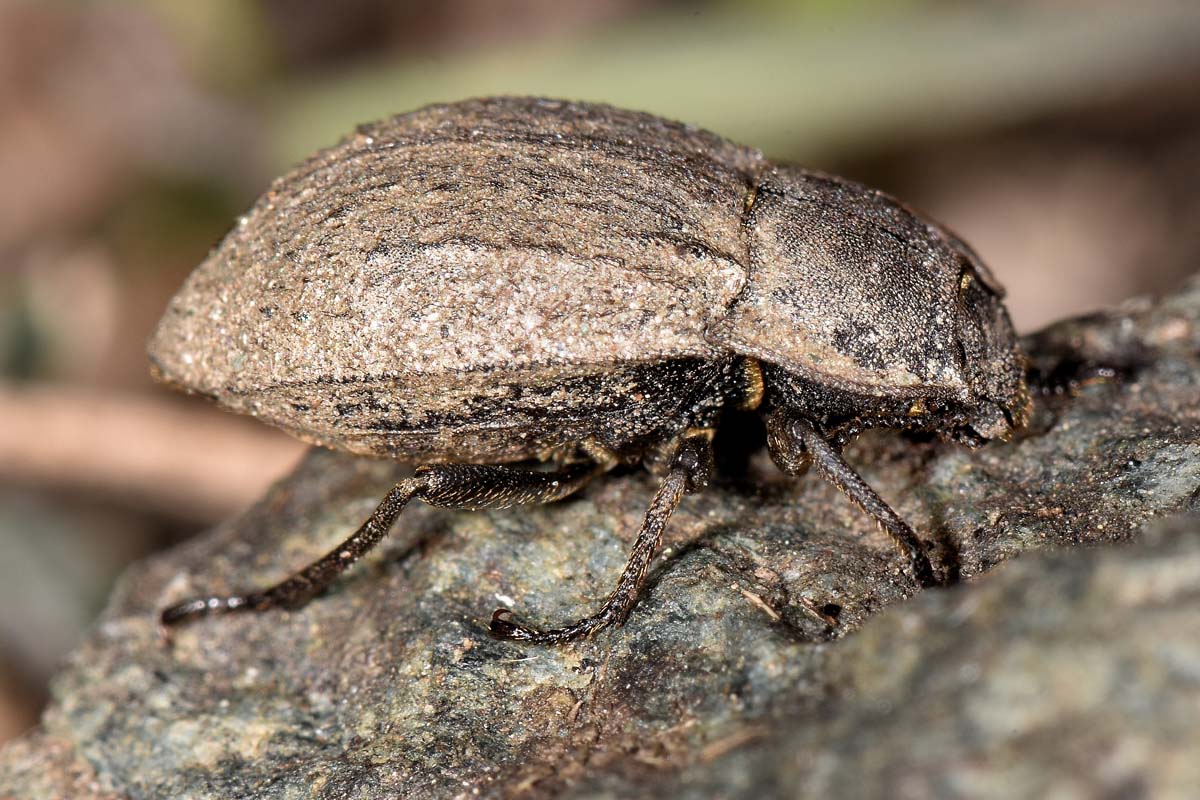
x=810, y=80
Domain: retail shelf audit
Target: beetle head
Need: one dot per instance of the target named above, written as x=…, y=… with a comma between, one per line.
x=869, y=313
x=992, y=361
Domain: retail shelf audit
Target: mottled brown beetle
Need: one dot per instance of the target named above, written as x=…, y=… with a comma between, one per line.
x=513, y=279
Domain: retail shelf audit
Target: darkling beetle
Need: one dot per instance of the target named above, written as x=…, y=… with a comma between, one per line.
x=518, y=279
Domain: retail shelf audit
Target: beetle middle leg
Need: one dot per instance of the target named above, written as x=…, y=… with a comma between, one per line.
x=794, y=441
x=689, y=470
x=469, y=486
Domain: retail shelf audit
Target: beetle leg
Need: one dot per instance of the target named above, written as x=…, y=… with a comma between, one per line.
x=1070, y=376
x=796, y=436
x=449, y=485
x=689, y=471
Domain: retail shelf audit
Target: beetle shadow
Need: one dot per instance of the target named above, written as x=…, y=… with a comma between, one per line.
x=742, y=466
x=668, y=565
x=790, y=614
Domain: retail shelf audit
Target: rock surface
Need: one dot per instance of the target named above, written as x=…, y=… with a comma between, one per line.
x=756, y=663
x=1075, y=674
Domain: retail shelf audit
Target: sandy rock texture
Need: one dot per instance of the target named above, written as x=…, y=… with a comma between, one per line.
x=777, y=650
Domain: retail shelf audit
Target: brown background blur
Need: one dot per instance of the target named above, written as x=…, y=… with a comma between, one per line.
x=1061, y=138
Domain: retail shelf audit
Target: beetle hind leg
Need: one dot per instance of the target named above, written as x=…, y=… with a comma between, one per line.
x=689, y=470
x=469, y=486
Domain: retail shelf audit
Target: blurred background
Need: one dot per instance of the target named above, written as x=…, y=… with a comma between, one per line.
x=1061, y=138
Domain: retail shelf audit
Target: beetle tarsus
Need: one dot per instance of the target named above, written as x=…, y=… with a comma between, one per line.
x=199, y=607
x=508, y=629
x=1070, y=376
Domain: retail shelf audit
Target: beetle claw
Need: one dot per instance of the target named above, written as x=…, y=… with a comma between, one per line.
x=503, y=628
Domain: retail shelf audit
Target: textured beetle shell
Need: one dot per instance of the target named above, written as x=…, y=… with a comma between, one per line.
x=846, y=284
x=492, y=279
x=439, y=259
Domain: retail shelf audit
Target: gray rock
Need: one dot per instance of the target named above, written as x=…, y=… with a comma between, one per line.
x=1074, y=674
x=749, y=668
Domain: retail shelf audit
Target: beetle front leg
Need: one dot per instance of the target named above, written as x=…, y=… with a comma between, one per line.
x=469, y=486
x=794, y=442
x=1069, y=376
x=689, y=471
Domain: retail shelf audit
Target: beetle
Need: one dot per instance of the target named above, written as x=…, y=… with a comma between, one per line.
x=519, y=294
